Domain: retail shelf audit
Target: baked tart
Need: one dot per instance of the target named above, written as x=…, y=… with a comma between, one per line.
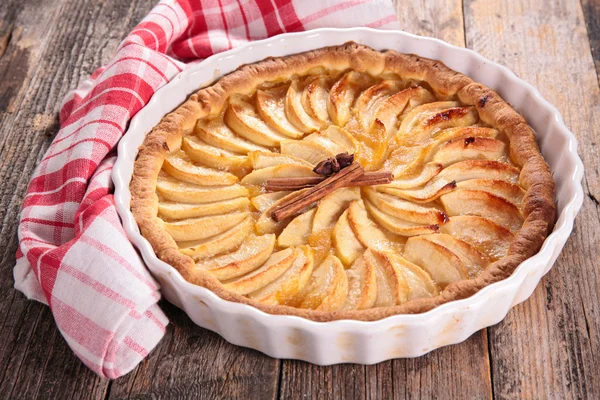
x=343, y=183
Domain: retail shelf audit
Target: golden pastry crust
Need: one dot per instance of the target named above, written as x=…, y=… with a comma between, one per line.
x=538, y=207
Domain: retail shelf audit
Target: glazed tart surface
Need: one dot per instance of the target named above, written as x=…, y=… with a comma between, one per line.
x=469, y=199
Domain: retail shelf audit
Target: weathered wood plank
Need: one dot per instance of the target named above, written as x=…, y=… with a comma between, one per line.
x=191, y=362
x=591, y=12
x=548, y=347
x=439, y=19
x=48, y=368
x=458, y=372
x=442, y=372
x=8, y=14
x=46, y=48
x=52, y=47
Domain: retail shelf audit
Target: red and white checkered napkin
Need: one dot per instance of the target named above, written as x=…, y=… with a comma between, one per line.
x=74, y=255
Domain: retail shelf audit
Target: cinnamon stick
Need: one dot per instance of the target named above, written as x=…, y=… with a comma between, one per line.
x=344, y=177
x=367, y=179
x=373, y=178
x=279, y=184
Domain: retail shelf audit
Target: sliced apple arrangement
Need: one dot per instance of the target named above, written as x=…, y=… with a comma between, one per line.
x=452, y=208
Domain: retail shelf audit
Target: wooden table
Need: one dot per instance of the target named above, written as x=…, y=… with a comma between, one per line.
x=548, y=347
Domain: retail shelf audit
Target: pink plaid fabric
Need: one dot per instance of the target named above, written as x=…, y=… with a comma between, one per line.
x=74, y=255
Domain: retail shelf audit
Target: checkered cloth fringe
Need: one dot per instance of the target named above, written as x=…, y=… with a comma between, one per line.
x=73, y=253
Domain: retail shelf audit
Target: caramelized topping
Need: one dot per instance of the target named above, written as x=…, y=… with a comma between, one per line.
x=384, y=192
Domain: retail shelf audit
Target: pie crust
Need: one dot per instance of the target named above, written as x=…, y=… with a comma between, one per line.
x=537, y=206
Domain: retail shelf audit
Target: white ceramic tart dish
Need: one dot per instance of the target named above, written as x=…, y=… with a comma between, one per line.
x=392, y=270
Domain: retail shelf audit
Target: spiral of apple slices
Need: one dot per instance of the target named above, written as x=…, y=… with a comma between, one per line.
x=452, y=209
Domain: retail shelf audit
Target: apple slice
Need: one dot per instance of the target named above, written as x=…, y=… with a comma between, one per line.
x=266, y=200
x=329, y=210
x=328, y=144
x=263, y=159
x=270, y=104
x=182, y=210
x=390, y=110
x=447, y=135
x=343, y=94
x=483, y=204
x=314, y=99
x=420, y=283
x=362, y=286
x=284, y=288
x=414, y=118
x=321, y=243
x=431, y=191
x=179, y=166
x=392, y=288
x=328, y=287
x=347, y=247
x=306, y=150
x=481, y=233
x=367, y=233
x=217, y=134
x=441, y=140
x=253, y=253
x=442, y=264
x=509, y=191
x=272, y=269
x=420, y=125
x=405, y=161
x=260, y=176
x=369, y=101
x=452, y=117
x=341, y=137
x=472, y=148
x=298, y=230
x=211, y=156
x=472, y=259
x=332, y=206
x=463, y=132
x=295, y=112
x=218, y=244
x=404, y=209
x=480, y=169
x=429, y=171
x=266, y=224
x=373, y=145
x=203, y=227
x=413, y=103
x=398, y=226
x=242, y=118
x=176, y=190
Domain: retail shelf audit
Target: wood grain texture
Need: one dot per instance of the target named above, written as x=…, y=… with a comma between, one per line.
x=455, y=372
x=591, y=12
x=548, y=347
x=193, y=363
x=439, y=19
x=443, y=373
x=46, y=48
x=436, y=375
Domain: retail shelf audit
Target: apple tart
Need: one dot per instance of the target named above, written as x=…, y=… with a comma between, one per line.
x=343, y=183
